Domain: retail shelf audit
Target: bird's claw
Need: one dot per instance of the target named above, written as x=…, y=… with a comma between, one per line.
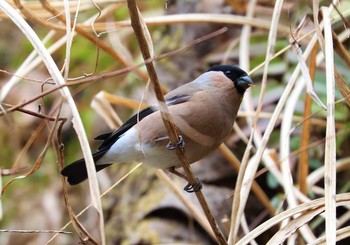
x=193, y=188
x=179, y=144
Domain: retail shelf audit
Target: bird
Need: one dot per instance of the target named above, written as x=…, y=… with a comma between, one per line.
x=203, y=111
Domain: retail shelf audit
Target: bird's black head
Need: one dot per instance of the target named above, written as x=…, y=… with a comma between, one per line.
x=239, y=77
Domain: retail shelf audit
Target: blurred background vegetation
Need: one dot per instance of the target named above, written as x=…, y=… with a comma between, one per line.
x=142, y=209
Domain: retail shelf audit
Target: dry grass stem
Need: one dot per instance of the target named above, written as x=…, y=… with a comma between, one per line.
x=330, y=146
x=303, y=209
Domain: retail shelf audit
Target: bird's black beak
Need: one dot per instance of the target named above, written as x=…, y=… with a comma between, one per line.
x=245, y=82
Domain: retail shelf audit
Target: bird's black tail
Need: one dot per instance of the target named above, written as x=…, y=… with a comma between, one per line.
x=76, y=172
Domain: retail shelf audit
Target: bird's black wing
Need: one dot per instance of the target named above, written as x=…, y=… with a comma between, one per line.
x=110, y=138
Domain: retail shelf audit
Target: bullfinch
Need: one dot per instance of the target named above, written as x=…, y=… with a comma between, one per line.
x=203, y=110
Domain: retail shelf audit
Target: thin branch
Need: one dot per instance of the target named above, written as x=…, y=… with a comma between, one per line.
x=36, y=114
x=36, y=231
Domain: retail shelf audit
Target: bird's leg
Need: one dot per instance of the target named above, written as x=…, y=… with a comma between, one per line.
x=179, y=144
x=189, y=188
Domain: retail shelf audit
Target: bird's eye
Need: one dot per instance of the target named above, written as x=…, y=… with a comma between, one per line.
x=228, y=72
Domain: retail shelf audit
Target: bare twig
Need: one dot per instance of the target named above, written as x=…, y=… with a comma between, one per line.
x=36, y=231
x=36, y=114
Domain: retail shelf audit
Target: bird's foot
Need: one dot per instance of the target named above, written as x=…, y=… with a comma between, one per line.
x=194, y=188
x=179, y=144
